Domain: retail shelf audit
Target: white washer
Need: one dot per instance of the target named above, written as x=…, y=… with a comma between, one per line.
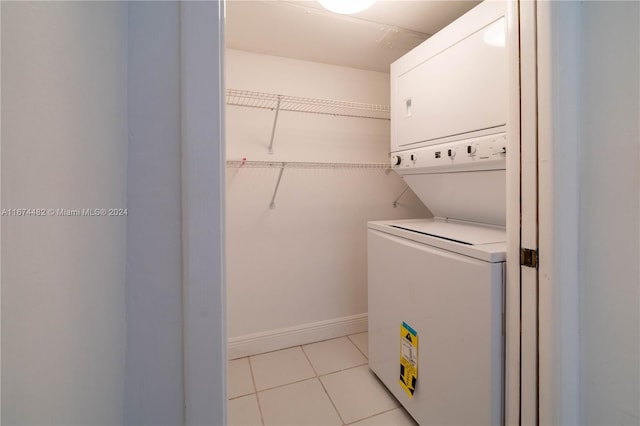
x=445, y=279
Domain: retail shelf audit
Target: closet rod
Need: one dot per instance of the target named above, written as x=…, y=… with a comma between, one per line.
x=308, y=165
x=305, y=165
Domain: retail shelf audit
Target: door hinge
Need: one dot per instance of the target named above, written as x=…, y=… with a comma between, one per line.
x=529, y=257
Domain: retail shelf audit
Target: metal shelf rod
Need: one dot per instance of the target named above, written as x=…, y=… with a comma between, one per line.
x=306, y=165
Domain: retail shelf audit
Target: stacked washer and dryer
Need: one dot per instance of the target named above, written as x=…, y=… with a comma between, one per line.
x=437, y=285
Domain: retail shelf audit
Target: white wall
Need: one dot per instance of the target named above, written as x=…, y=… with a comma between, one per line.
x=64, y=145
x=609, y=213
x=305, y=261
x=154, y=391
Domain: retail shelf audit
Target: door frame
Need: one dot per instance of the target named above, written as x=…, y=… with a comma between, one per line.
x=542, y=356
x=547, y=178
x=202, y=47
x=512, y=288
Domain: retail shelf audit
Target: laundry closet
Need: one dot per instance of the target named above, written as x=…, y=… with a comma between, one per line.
x=311, y=161
x=307, y=148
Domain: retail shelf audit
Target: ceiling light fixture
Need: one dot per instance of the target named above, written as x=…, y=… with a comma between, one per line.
x=346, y=7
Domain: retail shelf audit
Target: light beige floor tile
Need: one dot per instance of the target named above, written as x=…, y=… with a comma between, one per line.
x=244, y=411
x=239, y=381
x=298, y=404
x=280, y=368
x=396, y=417
x=361, y=340
x=357, y=394
x=333, y=355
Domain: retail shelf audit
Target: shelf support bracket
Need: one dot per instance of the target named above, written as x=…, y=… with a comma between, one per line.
x=272, y=205
x=395, y=202
x=275, y=122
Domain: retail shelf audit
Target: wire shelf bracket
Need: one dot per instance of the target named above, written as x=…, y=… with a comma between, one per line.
x=275, y=123
x=395, y=202
x=272, y=204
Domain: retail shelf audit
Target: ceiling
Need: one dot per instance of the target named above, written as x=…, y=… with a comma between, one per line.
x=369, y=40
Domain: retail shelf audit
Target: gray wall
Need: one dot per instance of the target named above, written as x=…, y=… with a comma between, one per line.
x=93, y=116
x=203, y=156
x=609, y=213
x=64, y=145
x=154, y=375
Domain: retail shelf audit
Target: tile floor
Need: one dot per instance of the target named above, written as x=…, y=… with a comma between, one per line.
x=321, y=384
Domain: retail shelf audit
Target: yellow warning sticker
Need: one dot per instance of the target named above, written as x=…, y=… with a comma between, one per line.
x=408, y=359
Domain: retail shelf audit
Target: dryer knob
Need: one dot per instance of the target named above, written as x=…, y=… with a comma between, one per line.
x=396, y=160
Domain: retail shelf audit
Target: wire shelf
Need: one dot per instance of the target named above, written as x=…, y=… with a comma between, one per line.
x=305, y=165
x=310, y=105
x=281, y=165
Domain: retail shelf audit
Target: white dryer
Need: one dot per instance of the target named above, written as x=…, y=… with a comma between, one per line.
x=436, y=285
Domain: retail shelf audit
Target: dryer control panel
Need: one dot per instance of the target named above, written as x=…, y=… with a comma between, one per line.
x=481, y=153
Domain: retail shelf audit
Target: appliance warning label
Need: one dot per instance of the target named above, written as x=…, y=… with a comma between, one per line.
x=408, y=359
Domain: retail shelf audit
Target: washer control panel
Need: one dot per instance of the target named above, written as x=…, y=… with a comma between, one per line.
x=481, y=153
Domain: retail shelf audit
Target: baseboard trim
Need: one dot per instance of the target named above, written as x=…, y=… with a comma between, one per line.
x=272, y=340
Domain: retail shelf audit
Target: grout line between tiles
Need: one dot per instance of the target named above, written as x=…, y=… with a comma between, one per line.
x=398, y=405
x=287, y=384
x=357, y=347
x=323, y=388
x=240, y=396
x=366, y=358
x=344, y=369
x=309, y=378
x=284, y=349
x=316, y=375
x=373, y=415
x=309, y=361
x=295, y=346
x=253, y=379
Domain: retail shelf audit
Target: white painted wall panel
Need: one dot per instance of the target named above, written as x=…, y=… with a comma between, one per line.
x=64, y=145
x=305, y=261
x=609, y=214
